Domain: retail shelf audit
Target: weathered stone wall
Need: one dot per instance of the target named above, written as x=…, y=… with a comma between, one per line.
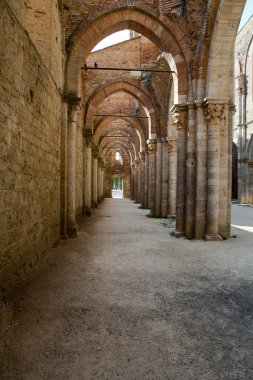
x=43, y=23
x=30, y=111
x=76, y=11
x=244, y=64
x=18, y=8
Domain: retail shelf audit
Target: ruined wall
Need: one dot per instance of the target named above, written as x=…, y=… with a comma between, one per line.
x=30, y=110
x=76, y=11
x=43, y=24
x=128, y=54
x=18, y=8
x=244, y=64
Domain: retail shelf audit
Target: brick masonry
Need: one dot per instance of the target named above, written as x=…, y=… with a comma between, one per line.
x=30, y=110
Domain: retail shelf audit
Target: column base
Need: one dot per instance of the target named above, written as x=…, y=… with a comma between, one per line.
x=210, y=237
x=88, y=211
x=150, y=215
x=179, y=234
x=64, y=236
x=72, y=231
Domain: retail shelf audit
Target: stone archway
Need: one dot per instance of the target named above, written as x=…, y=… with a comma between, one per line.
x=130, y=88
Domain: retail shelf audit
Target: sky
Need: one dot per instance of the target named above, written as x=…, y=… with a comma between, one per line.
x=248, y=11
x=123, y=35
x=113, y=39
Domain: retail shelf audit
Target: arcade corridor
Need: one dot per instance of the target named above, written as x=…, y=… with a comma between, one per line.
x=125, y=300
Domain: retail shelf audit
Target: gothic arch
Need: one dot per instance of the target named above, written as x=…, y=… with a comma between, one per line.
x=123, y=86
x=219, y=79
x=160, y=31
x=136, y=126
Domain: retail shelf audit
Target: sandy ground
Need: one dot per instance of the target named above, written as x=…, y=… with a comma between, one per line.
x=126, y=300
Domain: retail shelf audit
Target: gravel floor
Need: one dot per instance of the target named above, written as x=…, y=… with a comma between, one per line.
x=126, y=300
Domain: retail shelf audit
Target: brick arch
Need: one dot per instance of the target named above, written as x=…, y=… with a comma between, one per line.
x=162, y=32
x=132, y=89
x=219, y=80
x=131, y=152
x=135, y=124
x=134, y=142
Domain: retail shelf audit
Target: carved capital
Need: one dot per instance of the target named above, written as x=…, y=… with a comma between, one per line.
x=74, y=105
x=179, y=116
x=172, y=145
x=151, y=146
x=142, y=156
x=215, y=111
x=88, y=138
x=95, y=152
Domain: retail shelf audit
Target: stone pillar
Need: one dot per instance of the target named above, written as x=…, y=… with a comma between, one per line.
x=136, y=182
x=172, y=176
x=152, y=176
x=138, y=166
x=99, y=180
x=165, y=173
x=142, y=178
x=179, y=113
x=146, y=184
x=215, y=113
x=242, y=139
x=190, y=172
x=132, y=182
x=227, y=214
x=95, y=178
x=201, y=172
x=88, y=172
x=64, y=130
x=74, y=104
x=158, y=192
x=102, y=179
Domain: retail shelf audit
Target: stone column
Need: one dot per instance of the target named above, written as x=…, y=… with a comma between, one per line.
x=88, y=172
x=102, y=179
x=136, y=182
x=172, y=176
x=190, y=172
x=201, y=171
x=95, y=178
x=132, y=182
x=142, y=178
x=146, y=184
x=179, y=113
x=64, y=130
x=227, y=211
x=242, y=139
x=99, y=180
x=138, y=164
x=74, y=104
x=158, y=198
x=215, y=113
x=165, y=173
x=152, y=176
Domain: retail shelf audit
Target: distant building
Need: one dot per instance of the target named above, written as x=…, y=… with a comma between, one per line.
x=243, y=121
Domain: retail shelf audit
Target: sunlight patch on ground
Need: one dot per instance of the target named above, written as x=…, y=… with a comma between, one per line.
x=244, y=228
x=117, y=194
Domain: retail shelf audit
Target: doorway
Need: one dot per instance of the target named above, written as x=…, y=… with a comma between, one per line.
x=117, y=188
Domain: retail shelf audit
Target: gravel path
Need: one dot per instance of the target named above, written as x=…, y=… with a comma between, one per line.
x=126, y=300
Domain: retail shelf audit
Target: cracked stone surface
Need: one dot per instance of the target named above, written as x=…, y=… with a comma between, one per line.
x=125, y=300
